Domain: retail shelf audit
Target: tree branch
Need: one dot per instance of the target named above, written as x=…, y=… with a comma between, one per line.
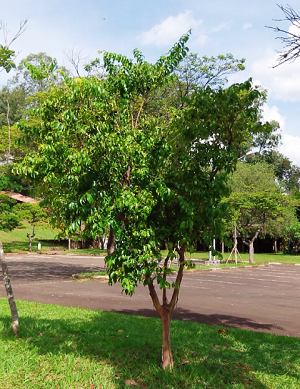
x=165, y=301
x=140, y=110
x=174, y=298
x=154, y=298
x=291, y=41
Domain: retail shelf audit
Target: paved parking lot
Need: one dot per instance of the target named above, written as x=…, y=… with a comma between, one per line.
x=259, y=298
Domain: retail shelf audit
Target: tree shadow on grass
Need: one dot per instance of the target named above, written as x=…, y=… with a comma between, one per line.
x=130, y=346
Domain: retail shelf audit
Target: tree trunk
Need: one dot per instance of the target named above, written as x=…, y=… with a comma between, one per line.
x=30, y=243
x=9, y=292
x=250, y=243
x=251, y=252
x=166, y=309
x=167, y=358
x=111, y=242
x=101, y=243
x=69, y=244
x=165, y=312
x=275, y=246
x=30, y=239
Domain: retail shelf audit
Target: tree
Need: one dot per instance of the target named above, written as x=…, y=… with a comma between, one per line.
x=6, y=62
x=291, y=38
x=6, y=54
x=256, y=203
x=33, y=213
x=293, y=233
x=9, y=219
x=106, y=161
x=287, y=174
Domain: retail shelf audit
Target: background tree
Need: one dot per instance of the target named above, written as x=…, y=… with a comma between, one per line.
x=256, y=203
x=293, y=234
x=291, y=38
x=34, y=214
x=9, y=219
x=6, y=54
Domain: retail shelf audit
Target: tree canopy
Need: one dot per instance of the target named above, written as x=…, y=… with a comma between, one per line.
x=108, y=162
x=257, y=204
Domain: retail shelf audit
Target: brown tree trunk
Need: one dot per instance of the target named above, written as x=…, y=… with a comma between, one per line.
x=251, y=252
x=111, y=242
x=250, y=243
x=165, y=316
x=275, y=246
x=9, y=292
x=166, y=309
x=167, y=358
x=30, y=239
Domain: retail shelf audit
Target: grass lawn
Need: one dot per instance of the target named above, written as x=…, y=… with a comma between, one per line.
x=16, y=240
x=258, y=258
x=64, y=347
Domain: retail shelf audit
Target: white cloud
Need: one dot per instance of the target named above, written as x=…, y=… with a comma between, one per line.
x=272, y=113
x=200, y=40
x=170, y=29
x=283, y=82
x=290, y=144
x=247, y=25
x=295, y=29
x=220, y=27
x=290, y=147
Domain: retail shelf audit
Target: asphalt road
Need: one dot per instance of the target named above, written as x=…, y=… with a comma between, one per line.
x=260, y=298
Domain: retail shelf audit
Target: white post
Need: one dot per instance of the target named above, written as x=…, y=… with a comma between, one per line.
x=235, y=243
x=214, y=246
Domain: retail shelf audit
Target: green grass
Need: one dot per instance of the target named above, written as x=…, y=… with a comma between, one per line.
x=64, y=347
x=258, y=258
x=88, y=251
x=95, y=273
x=16, y=240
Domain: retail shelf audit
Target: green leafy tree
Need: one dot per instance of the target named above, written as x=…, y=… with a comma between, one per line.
x=256, y=203
x=292, y=232
x=287, y=174
x=9, y=220
x=34, y=214
x=106, y=161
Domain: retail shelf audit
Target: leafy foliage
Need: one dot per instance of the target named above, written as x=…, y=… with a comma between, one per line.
x=257, y=204
x=105, y=161
x=6, y=58
x=8, y=218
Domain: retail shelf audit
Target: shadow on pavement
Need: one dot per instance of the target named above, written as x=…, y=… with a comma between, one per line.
x=213, y=319
x=38, y=271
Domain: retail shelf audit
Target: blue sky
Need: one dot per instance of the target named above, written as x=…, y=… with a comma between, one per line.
x=218, y=27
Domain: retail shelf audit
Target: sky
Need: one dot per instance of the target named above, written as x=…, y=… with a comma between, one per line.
x=57, y=27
